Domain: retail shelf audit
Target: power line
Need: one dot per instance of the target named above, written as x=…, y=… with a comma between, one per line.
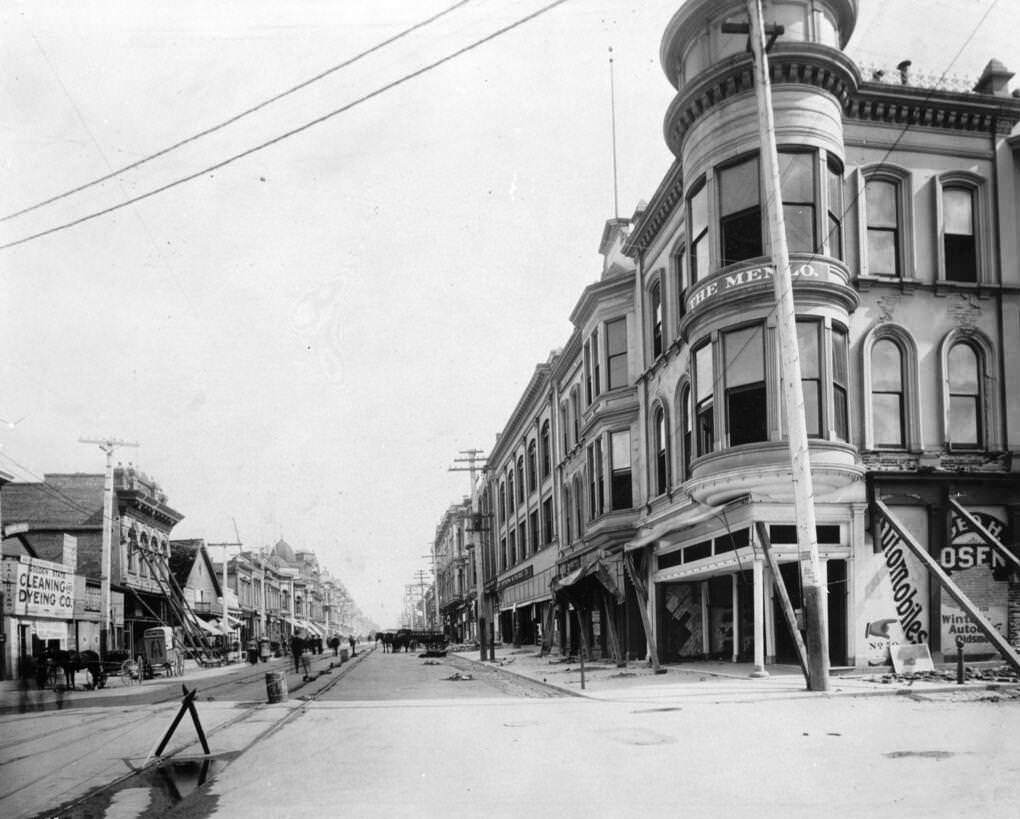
x=287, y=134
x=236, y=117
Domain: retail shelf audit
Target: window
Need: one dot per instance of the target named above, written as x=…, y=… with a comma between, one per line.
x=958, y=241
x=698, y=231
x=532, y=466
x=596, y=380
x=811, y=375
x=512, y=542
x=797, y=179
x=568, y=513
x=534, y=535
x=964, y=397
x=740, y=212
x=502, y=502
x=547, y=521
x=703, y=410
x=686, y=426
x=575, y=406
x=840, y=383
x=655, y=298
x=616, y=353
x=588, y=395
x=545, y=450
x=510, y=489
x=520, y=479
x=744, y=371
x=887, y=400
x=596, y=478
x=578, y=506
x=565, y=424
x=619, y=448
x=661, y=441
x=834, y=178
x=882, y=203
x=522, y=532
x=680, y=267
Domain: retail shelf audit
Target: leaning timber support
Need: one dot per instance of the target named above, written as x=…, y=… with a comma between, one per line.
x=986, y=536
x=548, y=618
x=612, y=635
x=984, y=626
x=641, y=590
x=784, y=597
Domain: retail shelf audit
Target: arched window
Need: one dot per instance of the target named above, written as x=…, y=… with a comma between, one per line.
x=502, y=502
x=532, y=466
x=578, y=507
x=510, y=495
x=887, y=399
x=891, y=389
x=961, y=214
x=655, y=310
x=686, y=428
x=520, y=479
x=546, y=453
x=568, y=514
x=661, y=451
x=965, y=397
x=887, y=240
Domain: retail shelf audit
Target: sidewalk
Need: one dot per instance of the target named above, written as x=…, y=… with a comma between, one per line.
x=717, y=680
x=13, y=696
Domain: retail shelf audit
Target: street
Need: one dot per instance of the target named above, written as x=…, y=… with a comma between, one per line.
x=394, y=735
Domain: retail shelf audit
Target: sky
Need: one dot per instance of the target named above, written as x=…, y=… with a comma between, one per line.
x=303, y=340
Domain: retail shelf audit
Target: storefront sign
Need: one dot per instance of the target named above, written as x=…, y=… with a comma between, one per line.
x=729, y=283
x=37, y=588
x=908, y=597
x=982, y=573
x=517, y=577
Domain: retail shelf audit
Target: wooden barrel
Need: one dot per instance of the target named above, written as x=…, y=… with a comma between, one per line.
x=276, y=686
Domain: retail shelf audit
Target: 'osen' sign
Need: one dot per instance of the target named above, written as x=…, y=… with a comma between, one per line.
x=728, y=283
x=38, y=588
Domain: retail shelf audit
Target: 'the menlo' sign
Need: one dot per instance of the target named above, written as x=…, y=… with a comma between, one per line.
x=37, y=588
x=753, y=275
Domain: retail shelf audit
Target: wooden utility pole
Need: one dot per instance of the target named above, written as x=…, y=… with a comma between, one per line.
x=105, y=568
x=475, y=460
x=815, y=602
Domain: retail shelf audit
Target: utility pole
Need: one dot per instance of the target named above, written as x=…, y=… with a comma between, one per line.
x=786, y=324
x=226, y=619
x=434, y=557
x=105, y=567
x=475, y=460
x=420, y=576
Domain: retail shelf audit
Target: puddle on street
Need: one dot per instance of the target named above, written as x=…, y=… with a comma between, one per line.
x=151, y=792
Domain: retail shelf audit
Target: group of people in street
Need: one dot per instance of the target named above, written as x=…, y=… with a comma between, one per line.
x=313, y=645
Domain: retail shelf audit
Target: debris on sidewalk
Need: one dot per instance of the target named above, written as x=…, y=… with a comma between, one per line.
x=432, y=662
x=456, y=676
x=506, y=661
x=1003, y=674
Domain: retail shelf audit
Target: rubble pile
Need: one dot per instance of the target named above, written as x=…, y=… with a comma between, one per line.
x=1003, y=674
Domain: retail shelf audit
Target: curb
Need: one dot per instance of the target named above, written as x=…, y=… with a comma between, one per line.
x=520, y=676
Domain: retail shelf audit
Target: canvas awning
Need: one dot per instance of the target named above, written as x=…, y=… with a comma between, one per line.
x=597, y=568
x=695, y=514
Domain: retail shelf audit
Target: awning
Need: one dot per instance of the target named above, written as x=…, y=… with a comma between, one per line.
x=314, y=628
x=208, y=626
x=693, y=515
x=596, y=568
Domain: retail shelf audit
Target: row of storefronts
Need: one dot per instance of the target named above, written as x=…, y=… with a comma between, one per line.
x=639, y=501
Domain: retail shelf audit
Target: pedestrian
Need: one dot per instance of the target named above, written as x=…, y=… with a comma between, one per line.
x=297, y=645
x=353, y=643
x=334, y=643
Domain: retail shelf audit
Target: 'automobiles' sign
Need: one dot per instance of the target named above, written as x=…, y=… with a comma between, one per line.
x=37, y=588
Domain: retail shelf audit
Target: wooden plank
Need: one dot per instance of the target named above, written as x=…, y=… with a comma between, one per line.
x=642, y=595
x=986, y=536
x=547, y=628
x=612, y=636
x=784, y=597
x=984, y=626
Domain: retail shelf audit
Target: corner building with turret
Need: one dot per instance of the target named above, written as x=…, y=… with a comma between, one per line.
x=901, y=210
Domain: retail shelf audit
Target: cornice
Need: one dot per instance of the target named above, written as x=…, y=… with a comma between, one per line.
x=540, y=381
x=597, y=292
x=907, y=106
x=664, y=200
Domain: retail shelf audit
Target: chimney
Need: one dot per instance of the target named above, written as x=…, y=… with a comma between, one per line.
x=994, y=80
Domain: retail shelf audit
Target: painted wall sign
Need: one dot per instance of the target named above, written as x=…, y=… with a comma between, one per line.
x=909, y=599
x=983, y=575
x=729, y=283
x=517, y=577
x=37, y=588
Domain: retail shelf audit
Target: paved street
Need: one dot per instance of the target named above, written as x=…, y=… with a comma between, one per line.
x=393, y=735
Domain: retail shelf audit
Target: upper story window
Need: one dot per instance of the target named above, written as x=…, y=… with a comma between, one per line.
x=547, y=521
x=811, y=375
x=965, y=397
x=740, y=226
x=841, y=383
x=958, y=242
x=616, y=353
x=680, y=277
x=575, y=409
x=620, y=485
x=661, y=453
x=686, y=428
x=578, y=506
x=546, y=450
x=655, y=306
x=589, y=394
x=883, y=220
x=746, y=410
x=565, y=425
x=697, y=221
x=596, y=379
x=520, y=479
x=888, y=402
x=797, y=180
x=510, y=495
x=568, y=506
x=596, y=480
x=532, y=466
x=834, y=183
x=704, y=382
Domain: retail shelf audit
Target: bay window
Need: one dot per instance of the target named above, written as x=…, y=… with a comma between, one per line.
x=616, y=353
x=705, y=392
x=620, y=487
x=797, y=181
x=746, y=410
x=740, y=224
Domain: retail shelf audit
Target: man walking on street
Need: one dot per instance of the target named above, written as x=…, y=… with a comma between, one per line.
x=297, y=645
x=353, y=643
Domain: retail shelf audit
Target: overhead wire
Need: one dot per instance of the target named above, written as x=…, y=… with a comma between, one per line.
x=292, y=132
x=236, y=117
